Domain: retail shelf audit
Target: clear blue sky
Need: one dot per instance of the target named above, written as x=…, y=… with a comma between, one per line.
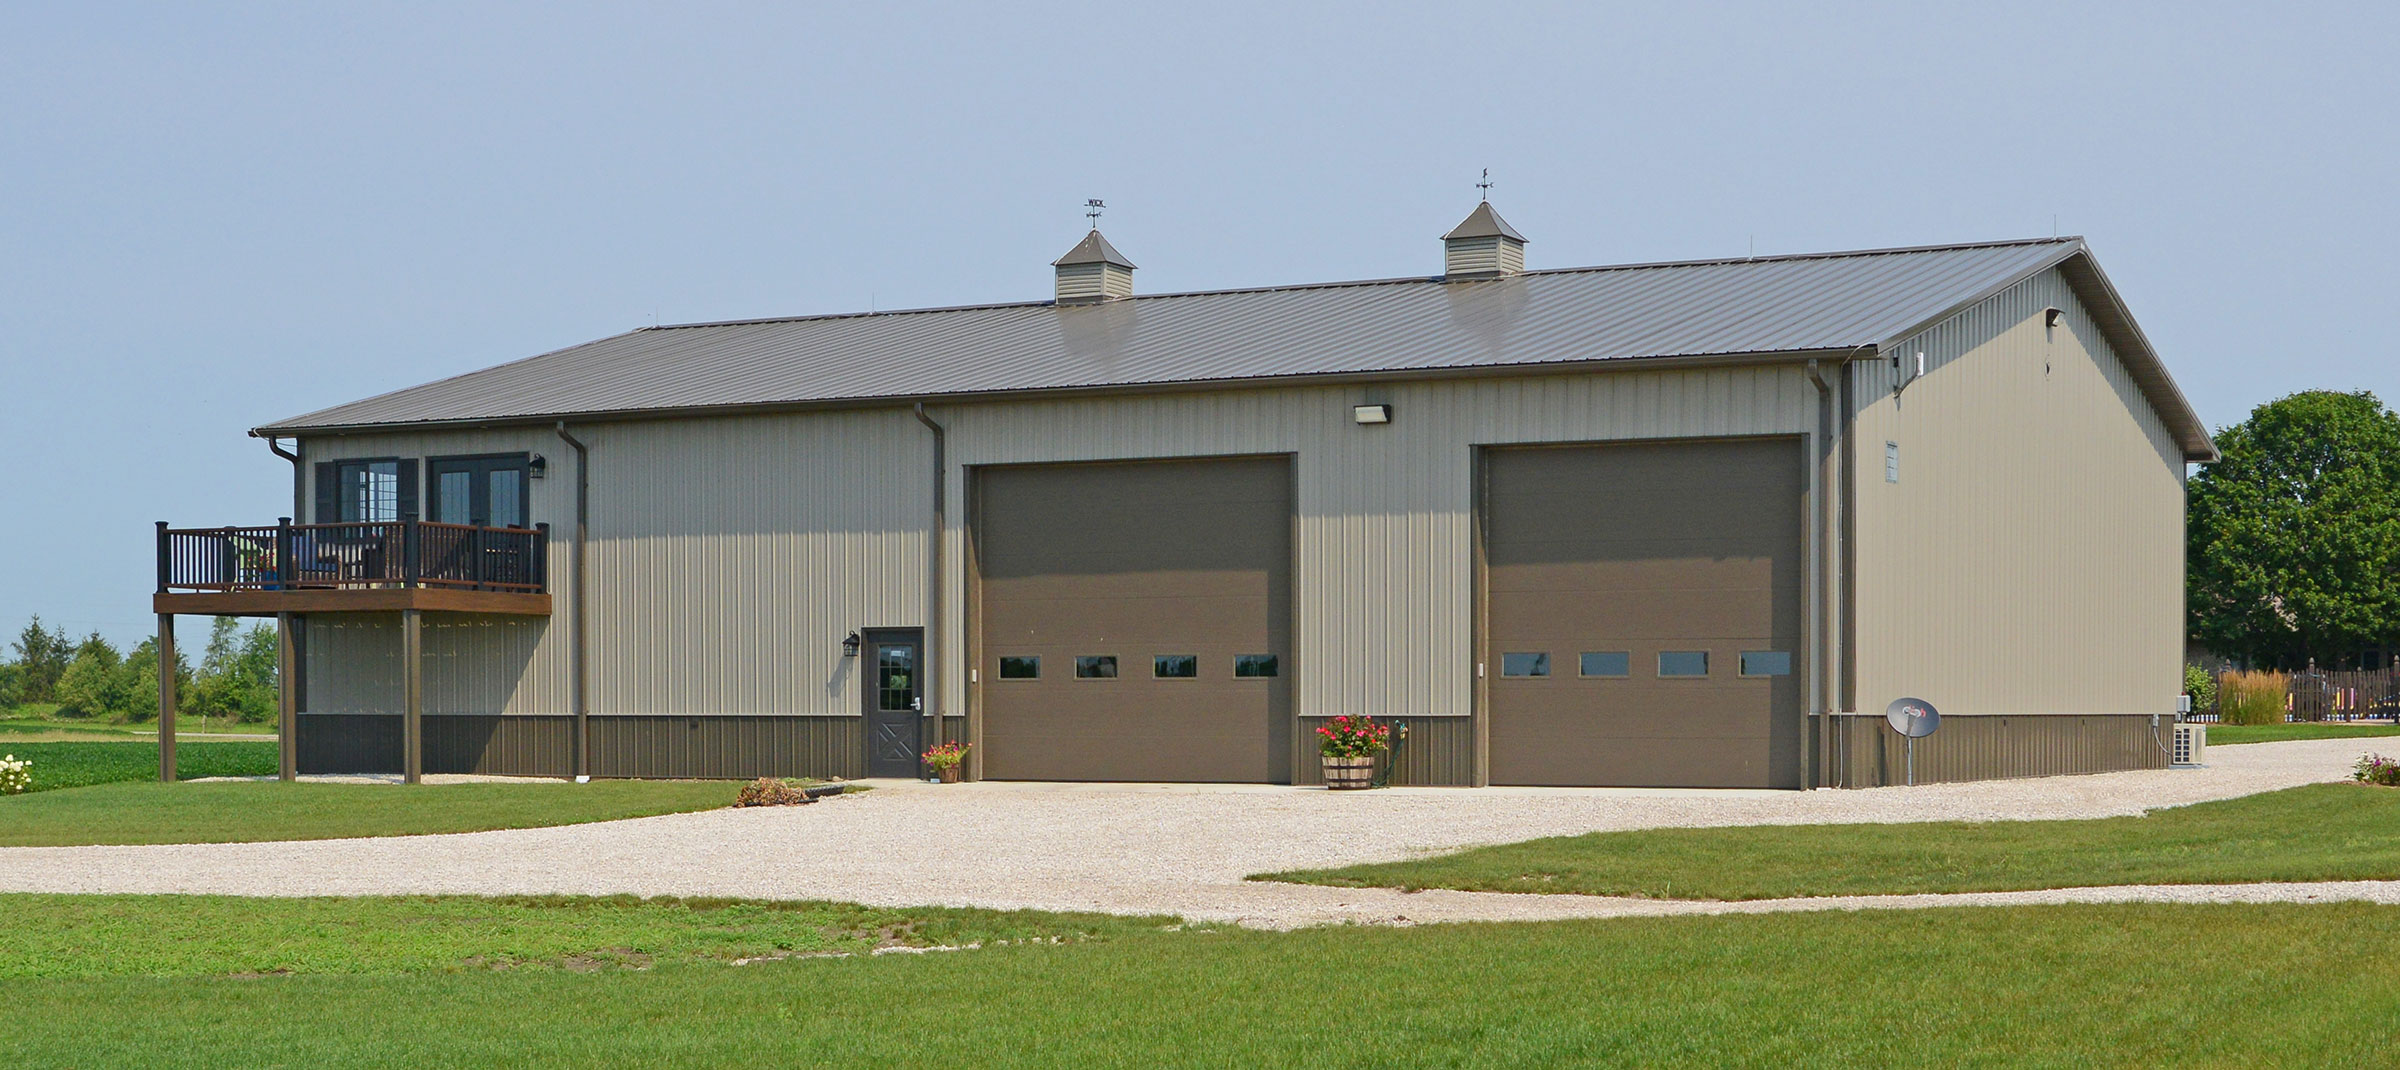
x=214, y=218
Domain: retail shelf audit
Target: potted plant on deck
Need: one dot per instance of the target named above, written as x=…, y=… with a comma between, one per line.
x=1348, y=746
x=945, y=760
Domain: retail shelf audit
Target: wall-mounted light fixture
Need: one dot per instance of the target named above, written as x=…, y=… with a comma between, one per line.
x=2050, y=316
x=850, y=645
x=537, y=466
x=1371, y=414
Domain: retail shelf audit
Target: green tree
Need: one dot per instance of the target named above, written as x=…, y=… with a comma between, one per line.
x=42, y=657
x=94, y=684
x=12, y=686
x=237, y=677
x=2293, y=545
x=141, y=682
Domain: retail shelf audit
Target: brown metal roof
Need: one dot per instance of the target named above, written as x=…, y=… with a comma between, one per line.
x=1093, y=249
x=1483, y=222
x=1834, y=302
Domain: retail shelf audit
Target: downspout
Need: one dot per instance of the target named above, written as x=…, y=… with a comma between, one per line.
x=1812, y=755
x=299, y=483
x=1826, y=571
x=933, y=585
x=578, y=688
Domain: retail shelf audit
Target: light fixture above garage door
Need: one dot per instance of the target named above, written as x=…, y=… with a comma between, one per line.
x=1371, y=414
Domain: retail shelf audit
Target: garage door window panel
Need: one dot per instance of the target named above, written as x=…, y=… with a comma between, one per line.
x=1096, y=667
x=1021, y=668
x=1256, y=666
x=1525, y=664
x=1766, y=663
x=1175, y=666
x=1605, y=664
x=1682, y=663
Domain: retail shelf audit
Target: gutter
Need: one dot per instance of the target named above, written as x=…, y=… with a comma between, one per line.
x=930, y=726
x=576, y=634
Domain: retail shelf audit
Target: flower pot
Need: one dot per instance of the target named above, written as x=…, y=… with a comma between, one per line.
x=949, y=774
x=1349, y=774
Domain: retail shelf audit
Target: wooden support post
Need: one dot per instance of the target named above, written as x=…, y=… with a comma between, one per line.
x=287, y=706
x=412, y=694
x=166, y=698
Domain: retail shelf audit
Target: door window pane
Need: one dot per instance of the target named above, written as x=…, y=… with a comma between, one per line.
x=453, y=497
x=1766, y=663
x=1606, y=663
x=508, y=498
x=1175, y=666
x=1021, y=668
x=1255, y=665
x=1683, y=663
x=1524, y=664
x=895, y=677
x=1096, y=667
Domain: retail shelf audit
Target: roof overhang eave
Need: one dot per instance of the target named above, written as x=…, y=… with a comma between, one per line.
x=1173, y=386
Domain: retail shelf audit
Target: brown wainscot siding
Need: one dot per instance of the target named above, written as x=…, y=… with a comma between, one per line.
x=1868, y=754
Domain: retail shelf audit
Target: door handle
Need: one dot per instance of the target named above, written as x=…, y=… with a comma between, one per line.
x=917, y=703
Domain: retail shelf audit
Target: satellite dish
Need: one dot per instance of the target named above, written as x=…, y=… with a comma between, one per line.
x=1912, y=717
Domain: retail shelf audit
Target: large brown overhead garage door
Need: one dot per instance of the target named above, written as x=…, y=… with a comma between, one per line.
x=1644, y=613
x=1135, y=620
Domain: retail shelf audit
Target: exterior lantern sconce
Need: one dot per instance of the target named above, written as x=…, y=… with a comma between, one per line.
x=537, y=467
x=850, y=645
x=1371, y=414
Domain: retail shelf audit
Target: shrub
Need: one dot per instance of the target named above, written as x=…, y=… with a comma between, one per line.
x=2376, y=769
x=15, y=778
x=2253, y=697
x=2201, y=684
x=768, y=791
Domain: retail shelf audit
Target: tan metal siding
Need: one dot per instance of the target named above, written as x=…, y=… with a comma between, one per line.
x=733, y=553
x=2030, y=558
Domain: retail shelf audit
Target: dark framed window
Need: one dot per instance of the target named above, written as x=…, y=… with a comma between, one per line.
x=1683, y=663
x=1175, y=666
x=1249, y=666
x=1024, y=667
x=367, y=492
x=488, y=490
x=1604, y=663
x=1525, y=664
x=1096, y=666
x=1766, y=663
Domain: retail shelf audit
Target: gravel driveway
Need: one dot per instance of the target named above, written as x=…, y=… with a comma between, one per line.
x=1165, y=849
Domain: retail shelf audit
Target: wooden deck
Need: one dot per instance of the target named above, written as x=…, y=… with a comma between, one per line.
x=351, y=600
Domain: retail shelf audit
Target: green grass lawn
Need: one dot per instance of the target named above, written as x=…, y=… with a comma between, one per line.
x=439, y=982
x=78, y=764
x=239, y=812
x=2318, y=832
x=2226, y=735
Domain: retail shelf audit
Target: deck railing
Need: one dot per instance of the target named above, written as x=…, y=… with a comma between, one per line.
x=399, y=553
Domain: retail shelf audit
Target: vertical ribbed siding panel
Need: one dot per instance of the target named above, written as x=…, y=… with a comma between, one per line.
x=1868, y=754
x=1439, y=752
x=725, y=748
x=2029, y=560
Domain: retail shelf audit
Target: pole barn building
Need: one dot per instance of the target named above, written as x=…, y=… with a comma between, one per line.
x=1686, y=524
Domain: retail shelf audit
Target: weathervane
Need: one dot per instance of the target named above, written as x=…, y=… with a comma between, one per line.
x=1486, y=184
x=1091, y=211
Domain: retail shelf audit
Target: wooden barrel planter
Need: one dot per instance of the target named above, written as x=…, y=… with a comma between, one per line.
x=1349, y=774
